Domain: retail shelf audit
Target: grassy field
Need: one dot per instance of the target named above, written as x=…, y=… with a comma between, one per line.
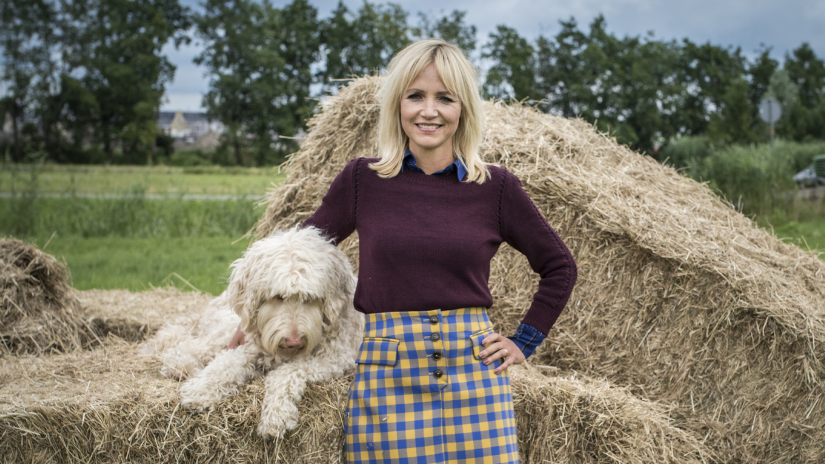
x=152, y=179
x=143, y=263
x=808, y=235
x=132, y=216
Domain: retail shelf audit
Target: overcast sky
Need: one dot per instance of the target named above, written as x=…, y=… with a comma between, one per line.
x=782, y=24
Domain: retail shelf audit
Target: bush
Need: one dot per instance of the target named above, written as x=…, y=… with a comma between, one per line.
x=189, y=157
x=746, y=174
x=754, y=177
x=686, y=152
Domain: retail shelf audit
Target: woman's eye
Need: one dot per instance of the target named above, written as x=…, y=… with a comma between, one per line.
x=414, y=96
x=447, y=99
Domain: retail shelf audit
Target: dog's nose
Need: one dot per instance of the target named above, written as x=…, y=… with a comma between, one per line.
x=294, y=342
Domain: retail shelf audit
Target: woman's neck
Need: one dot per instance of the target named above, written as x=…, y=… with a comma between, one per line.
x=431, y=161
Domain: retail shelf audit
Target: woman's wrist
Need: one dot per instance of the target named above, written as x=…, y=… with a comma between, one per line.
x=527, y=338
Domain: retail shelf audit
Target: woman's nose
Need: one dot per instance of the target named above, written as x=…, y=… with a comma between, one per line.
x=429, y=110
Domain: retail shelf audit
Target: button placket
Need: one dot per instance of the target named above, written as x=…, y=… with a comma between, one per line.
x=438, y=349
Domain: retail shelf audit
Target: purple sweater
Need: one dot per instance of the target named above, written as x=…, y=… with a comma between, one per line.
x=426, y=242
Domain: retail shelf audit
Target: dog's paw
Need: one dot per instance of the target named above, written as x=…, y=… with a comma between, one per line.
x=277, y=419
x=195, y=397
x=198, y=404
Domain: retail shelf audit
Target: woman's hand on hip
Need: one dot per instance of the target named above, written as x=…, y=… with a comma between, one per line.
x=497, y=347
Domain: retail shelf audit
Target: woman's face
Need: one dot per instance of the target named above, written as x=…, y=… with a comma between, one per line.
x=430, y=114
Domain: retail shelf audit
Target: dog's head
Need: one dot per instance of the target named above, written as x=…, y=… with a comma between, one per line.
x=290, y=289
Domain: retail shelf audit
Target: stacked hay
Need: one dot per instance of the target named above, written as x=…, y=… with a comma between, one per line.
x=135, y=316
x=39, y=312
x=111, y=405
x=680, y=298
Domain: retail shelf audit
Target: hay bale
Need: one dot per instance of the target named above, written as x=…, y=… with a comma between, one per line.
x=39, y=312
x=680, y=298
x=136, y=316
x=110, y=404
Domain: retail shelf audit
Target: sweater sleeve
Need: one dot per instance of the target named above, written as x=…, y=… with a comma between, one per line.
x=526, y=230
x=336, y=215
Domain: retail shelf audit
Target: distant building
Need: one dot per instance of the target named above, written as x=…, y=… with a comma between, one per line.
x=187, y=126
x=7, y=123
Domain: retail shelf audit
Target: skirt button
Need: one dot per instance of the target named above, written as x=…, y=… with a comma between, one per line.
x=437, y=355
x=437, y=374
x=434, y=320
x=435, y=337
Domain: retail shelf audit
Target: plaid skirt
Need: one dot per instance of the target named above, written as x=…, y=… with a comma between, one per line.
x=422, y=395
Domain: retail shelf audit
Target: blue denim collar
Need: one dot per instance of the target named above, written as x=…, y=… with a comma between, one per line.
x=409, y=163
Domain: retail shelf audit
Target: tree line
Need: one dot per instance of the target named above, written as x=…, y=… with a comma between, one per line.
x=84, y=80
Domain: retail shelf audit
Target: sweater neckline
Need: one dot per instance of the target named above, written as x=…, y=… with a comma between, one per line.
x=424, y=179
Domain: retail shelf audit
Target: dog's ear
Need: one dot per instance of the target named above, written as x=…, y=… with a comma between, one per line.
x=238, y=295
x=342, y=287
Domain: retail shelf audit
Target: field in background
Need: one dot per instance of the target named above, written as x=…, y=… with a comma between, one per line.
x=93, y=179
x=132, y=240
x=808, y=235
x=138, y=264
x=135, y=242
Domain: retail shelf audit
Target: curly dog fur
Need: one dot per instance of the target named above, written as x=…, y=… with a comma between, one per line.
x=292, y=294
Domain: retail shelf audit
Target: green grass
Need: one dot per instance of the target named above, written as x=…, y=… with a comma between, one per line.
x=807, y=235
x=94, y=179
x=134, y=242
x=139, y=264
x=133, y=216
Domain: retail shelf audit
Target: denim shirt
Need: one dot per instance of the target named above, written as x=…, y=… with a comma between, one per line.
x=527, y=338
x=409, y=163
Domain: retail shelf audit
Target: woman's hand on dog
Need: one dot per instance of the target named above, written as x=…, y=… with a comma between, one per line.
x=238, y=339
x=496, y=347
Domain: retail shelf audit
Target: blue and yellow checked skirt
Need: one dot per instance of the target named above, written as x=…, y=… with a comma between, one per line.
x=422, y=395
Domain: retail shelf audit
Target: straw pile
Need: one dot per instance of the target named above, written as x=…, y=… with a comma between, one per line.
x=110, y=404
x=680, y=298
x=135, y=316
x=39, y=312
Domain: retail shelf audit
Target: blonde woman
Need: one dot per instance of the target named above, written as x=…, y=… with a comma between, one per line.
x=431, y=384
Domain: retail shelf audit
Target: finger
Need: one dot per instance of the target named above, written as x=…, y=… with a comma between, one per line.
x=507, y=362
x=490, y=338
x=501, y=353
x=490, y=349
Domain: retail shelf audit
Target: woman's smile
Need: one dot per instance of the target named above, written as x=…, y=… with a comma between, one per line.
x=428, y=127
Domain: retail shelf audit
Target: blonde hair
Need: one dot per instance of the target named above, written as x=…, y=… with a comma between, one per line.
x=459, y=76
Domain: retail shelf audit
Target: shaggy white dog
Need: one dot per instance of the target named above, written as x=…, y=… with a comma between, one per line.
x=292, y=293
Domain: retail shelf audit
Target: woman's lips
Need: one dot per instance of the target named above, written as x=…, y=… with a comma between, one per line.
x=428, y=127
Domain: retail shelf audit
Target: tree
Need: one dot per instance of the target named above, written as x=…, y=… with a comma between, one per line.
x=706, y=71
x=735, y=122
x=513, y=73
x=450, y=28
x=806, y=117
x=807, y=71
x=363, y=43
x=259, y=58
x=113, y=46
x=781, y=87
x=625, y=86
x=761, y=71
x=559, y=74
x=26, y=37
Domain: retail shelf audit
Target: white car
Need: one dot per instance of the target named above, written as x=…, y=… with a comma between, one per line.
x=808, y=178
